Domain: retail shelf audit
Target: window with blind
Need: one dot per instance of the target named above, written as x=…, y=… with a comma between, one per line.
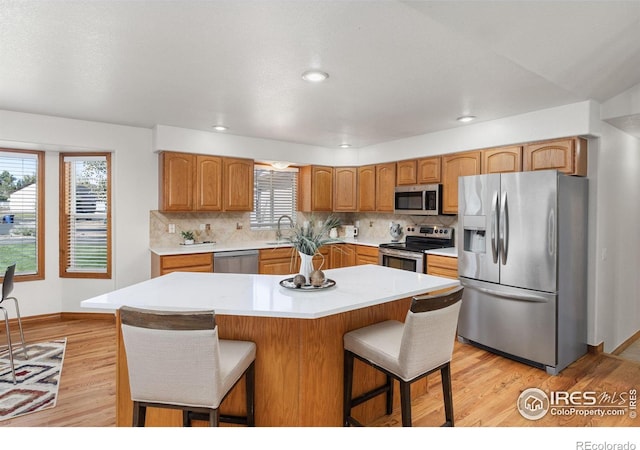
x=85, y=215
x=275, y=195
x=21, y=213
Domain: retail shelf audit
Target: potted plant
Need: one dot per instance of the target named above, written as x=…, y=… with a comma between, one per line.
x=188, y=237
x=308, y=239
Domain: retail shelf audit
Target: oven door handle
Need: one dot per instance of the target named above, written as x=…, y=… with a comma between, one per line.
x=402, y=254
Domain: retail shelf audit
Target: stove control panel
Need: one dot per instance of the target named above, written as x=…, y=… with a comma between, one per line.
x=430, y=231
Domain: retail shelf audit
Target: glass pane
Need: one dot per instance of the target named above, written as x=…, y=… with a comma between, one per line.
x=18, y=211
x=87, y=215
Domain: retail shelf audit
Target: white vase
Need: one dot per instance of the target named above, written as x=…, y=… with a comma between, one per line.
x=306, y=265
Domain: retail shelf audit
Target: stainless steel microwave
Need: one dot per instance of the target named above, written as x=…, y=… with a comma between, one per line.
x=419, y=200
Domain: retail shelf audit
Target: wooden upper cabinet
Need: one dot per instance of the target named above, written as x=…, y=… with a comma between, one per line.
x=501, y=160
x=315, y=188
x=366, y=188
x=385, y=187
x=345, y=188
x=406, y=172
x=190, y=182
x=454, y=166
x=566, y=155
x=428, y=170
x=208, y=186
x=176, y=181
x=238, y=184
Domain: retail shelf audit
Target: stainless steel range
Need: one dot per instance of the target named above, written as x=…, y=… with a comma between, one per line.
x=411, y=254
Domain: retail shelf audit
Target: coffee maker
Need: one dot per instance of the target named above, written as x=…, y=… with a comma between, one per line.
x=350, y=231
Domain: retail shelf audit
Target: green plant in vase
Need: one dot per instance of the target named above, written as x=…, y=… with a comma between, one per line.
x=308, y=239
x=188, y=237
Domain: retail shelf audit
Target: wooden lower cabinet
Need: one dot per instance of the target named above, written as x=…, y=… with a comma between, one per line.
x=278, y=261
x=343, y=255
x=442, y=266
x=192, y=262
x=366, y=255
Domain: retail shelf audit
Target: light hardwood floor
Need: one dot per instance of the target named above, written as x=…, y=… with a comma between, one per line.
x=485, y=386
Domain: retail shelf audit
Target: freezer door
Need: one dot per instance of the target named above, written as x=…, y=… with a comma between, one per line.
x=528, y=230
x=478, y=205
x=519, y=322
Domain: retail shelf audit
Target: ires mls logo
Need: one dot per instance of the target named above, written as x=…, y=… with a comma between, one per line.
x=533, y=404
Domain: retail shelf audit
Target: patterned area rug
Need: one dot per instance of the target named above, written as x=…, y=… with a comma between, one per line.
x=38, y=378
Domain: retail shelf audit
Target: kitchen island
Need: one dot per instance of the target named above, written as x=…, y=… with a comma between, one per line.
x=298, y=335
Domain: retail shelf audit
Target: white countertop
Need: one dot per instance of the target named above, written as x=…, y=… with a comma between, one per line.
x=261, y=295
x=448, y=251
x=257, y=245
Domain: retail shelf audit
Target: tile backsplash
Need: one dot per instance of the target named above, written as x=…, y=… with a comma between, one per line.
x=235, y=227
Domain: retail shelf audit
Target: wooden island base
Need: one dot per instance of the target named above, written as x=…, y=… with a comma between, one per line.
x=299, y=366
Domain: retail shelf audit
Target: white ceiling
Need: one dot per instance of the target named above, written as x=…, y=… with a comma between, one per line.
x=397, y=68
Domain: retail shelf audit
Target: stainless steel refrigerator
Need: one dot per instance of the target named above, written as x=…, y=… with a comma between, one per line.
x=522, y=257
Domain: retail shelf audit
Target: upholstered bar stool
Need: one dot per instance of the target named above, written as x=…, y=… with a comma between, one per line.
x=176, y=360
x=7, y=288
x=405, y=352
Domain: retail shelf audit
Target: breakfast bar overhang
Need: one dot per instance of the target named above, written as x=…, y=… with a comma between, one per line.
x=298, y=334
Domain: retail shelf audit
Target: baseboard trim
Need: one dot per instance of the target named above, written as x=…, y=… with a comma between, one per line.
x=626, y=344
x=596, y=349
x=58, y=317
x=88, y=315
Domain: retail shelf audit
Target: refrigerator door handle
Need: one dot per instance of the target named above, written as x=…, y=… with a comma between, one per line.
x=551, y=235
x=494, y=227
x=504, y=228
x=509, y=295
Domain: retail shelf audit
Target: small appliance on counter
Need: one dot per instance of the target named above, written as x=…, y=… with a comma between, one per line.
x=395, y=230
x=350, y=231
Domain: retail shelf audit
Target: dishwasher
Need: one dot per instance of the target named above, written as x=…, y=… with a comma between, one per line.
x=240, y=261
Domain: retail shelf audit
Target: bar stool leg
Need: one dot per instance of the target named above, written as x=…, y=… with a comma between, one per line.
x=250, y=381
x=348, y=387
x=445, y=374
x=139, y=414
x=9, y=346
x=24, y=347
x=389, y=395
x=405, y=402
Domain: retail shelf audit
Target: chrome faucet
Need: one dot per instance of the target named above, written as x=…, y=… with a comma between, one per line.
x=278, y=232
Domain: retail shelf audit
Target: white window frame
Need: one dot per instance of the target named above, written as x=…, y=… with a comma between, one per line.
x=269, y=203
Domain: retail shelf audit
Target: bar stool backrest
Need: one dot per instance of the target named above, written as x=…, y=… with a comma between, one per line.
x=173, y=357
x=7, y=282
x=429, y=332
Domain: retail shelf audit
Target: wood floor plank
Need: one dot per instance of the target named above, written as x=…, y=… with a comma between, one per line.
x=485, y=386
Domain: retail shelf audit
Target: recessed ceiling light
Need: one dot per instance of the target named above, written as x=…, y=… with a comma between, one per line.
x=220, y=128
x=315, y=76
x=465, y=119
x=345, y=145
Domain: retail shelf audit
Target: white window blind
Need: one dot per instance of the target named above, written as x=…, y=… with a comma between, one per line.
x=86, y=215
x=275, y=195
x=19, y=197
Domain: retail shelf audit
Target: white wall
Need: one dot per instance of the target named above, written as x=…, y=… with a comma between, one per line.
x=616, y=253
x=570, y=120
x=263, y=150
x=134, y=193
